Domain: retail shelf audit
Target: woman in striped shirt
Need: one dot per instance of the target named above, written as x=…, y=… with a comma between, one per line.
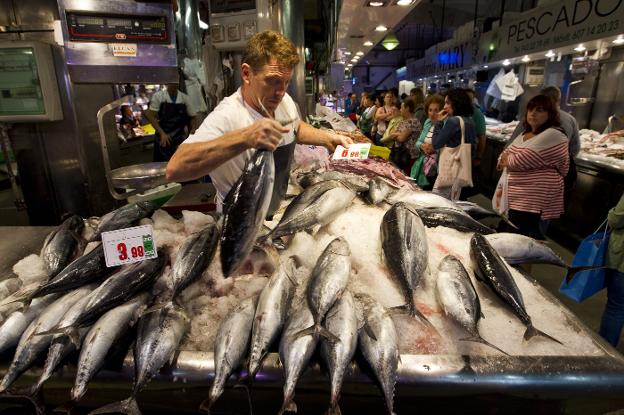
x=536, y=162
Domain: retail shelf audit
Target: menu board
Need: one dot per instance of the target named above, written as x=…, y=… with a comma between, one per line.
x=20, y=87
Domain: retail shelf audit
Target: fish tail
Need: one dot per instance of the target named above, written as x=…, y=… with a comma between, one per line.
x=415, y=312
x=532, y=332
x=156, y=307
x=289, y=406
x=572, y=271
x=478, y=339
x=32, y=394
x=207, y=404
x=334, y=409
x=317, y=330
x=128, y=406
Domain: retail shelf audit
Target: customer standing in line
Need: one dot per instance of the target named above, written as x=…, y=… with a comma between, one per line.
x=383, y=116
x=613, y=316
x=419, y=101
x=447, y=131
x=425, y=168
x=393, y=121
x=537, y=162
x=366, y=121
x=405, y=136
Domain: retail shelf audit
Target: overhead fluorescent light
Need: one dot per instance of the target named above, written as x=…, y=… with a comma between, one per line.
x=375, y=3
x=404, y=2
x=354, y=60
x=619, y=40
x=550, y=54
x=580, y=48
x=359, y=53
x=485, y=66
x=526, y=58
x=347, y=53
x=349, y=65
x=381, y=28
x=506, y=62
x=368, y=43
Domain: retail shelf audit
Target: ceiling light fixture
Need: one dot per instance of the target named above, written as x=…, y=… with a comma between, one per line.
x=368, y=43
x=390, y=42
x=506, y=62
x=360, y=53
x=349, y=65
x=580, y=48
x=619, y=40
x=404, y=2
x=347, y=53
x=381, y=28
x=375, y=3
x=354, y=60
x=550, y=54
x=485, y=66
x=526, y=58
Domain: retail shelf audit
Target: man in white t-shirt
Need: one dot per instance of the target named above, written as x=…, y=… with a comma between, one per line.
x=260, y=115
x=173, y=117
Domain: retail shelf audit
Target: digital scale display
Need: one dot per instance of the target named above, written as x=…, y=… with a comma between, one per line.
x=113, y=28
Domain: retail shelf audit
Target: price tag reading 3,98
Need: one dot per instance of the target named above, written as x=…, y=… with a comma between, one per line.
x=358, y=151
x=128, y=245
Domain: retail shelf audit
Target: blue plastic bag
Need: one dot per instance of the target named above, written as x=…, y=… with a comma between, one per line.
x=591, y=252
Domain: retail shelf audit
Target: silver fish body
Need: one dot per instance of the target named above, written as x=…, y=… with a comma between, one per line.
x=31, y=344
x=295, y=351
x=271, y=312
x=231, y=346
x=245, y=209
x=123, y=217
x=379, y=345
x=341, y=320
x=193, y=258
x=358, y=182
x=421, y=199
x=518, y=249
x=378, y=189
x=405, y=249
x=62, y=245
x=99, y=339
x=451, y=218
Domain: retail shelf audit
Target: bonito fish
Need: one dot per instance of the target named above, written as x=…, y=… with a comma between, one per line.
x=379, y=345
x=158, y=336
x=245, y=209
x=491, y=269
x=321, y=210
x=451, y=218
x=328, y=281
x=378, y=189
x=405, y=249
x=359, y=182
x=100, y=338
x=62, y=245
x=421, y=199
x=271, y=313
x=230, y=347
x=123, y=217
x=459, y=299
x=342, y=320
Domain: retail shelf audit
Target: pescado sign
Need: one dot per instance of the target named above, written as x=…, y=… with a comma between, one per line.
x=561, y=24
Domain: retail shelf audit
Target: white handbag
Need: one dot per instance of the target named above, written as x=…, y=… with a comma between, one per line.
x=455, y=164
x=500, y=200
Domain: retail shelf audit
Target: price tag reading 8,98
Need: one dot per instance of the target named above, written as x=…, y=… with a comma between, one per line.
x=128, y=245
x=358, y=151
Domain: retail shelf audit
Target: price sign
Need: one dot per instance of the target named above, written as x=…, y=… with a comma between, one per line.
x=128, y=245
x=358, y=151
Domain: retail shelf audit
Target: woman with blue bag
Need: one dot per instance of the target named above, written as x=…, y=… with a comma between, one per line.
x=613, y=316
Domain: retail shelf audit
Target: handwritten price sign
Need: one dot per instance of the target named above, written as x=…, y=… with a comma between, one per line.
x=128, y=245
x=358, y=151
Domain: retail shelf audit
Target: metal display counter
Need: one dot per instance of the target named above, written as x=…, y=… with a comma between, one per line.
x=477, y=384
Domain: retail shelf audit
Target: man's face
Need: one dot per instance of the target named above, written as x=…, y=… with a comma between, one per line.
x=268, y=84
x=172, y=89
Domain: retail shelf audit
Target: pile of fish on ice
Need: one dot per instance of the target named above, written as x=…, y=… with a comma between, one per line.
x=350, y=263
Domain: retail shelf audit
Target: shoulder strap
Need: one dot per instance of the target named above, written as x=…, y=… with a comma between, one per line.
x=462, y=128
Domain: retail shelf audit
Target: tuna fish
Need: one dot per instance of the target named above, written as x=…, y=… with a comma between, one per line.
x=123, y=217
x=14, y=326
x=31, y=344
x=421, y=199
x=245, y=209
x=451, y=218
x=459, y=299
x=106, y=331
x=321, y=210
x=359, y=183
x=520, y=249
x=490, y=268
x=342, y=320
x=295, y=351
x=62, y=245
x=474, y=210
x=194, y=256
x=378, y=189
x=158, y=336
x=328, y=281
x=230, y=347
x=62, y=345
x=271, y=312
x=379, y=345
x=405, y=249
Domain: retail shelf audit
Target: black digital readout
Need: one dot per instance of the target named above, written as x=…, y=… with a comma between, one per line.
x=114, y=28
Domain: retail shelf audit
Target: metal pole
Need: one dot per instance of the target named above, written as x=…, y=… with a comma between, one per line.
x=501, y=13
x=442, y=22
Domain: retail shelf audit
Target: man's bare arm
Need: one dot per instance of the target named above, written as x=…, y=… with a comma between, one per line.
x=313, y=136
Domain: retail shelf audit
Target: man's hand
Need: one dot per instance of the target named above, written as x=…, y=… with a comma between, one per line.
x=165, y=140
x=427, y=148
x=333, y=140
x=265, y=134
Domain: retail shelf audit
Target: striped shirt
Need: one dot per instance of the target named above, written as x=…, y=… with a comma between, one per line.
x=536, y=168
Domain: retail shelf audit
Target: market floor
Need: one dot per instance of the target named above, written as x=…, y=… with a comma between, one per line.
x=590, y=310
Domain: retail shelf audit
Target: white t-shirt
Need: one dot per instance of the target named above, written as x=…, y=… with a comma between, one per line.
x=181, y=98
x=233, y=114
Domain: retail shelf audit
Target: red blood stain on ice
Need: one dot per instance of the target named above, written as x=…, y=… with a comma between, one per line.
x=426, y=310
x=441, y=248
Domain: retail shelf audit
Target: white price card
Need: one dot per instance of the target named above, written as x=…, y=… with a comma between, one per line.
x=358, y=151
x=128, y=245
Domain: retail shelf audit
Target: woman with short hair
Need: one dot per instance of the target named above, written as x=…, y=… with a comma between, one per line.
x=405, y=136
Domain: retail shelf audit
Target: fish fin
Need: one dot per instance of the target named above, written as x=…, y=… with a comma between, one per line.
x=74, y=337
x=328, y=335
x=288, y=407
x=532, y=332
x=398, y=309
x=481, y=313
x=334, y=409
x=508, y=222
x=478, y=339
x=415, y=312
x=128, y=406
x=369, y=331
x=572, y=271
x=317, y=330
x=155, y=307
x=52, y=331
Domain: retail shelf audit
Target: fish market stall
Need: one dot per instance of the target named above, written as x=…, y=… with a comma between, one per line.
x=561, y=365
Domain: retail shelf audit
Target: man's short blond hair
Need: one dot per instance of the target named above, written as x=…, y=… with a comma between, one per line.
x=267, y=45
